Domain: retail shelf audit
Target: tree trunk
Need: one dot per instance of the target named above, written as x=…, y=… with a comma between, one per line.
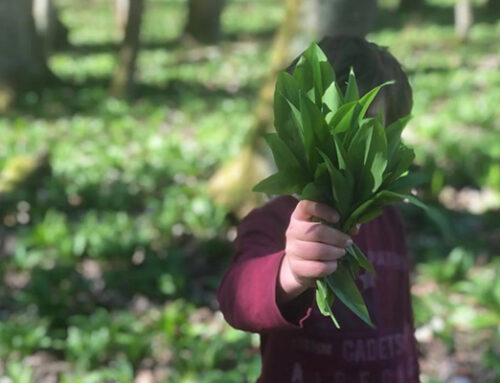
x=53, y=33
x=463, y=18
x=203, y=21
x=22, y=61
x=123, y=79
x=411, y=5
x=121, y=17
x=231, y=186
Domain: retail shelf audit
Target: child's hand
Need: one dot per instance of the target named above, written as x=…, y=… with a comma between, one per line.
x=312, y=249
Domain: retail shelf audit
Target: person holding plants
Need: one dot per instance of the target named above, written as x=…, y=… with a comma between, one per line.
x=285, y=247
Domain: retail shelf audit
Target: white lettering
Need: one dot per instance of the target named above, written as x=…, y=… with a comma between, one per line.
x=348, y=350
x=371, y=346
x=373, y=349
x=381, y=348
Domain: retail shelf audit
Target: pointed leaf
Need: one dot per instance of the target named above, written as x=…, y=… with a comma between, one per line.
x=340, y=152
x=324, y=300
x=311, y=193
x=368, y=98
x=340, y=187
x=287, y=91
x=362, y=259
x=331, y=98
x=407, y=182
x=276, y=184
x=377, y=159
x=343, y=118
x=283, y=156
x=369, y=215
x=351, y=92
x=359, y=148
x=399, y=164
x=393, y=132
x=344, y=288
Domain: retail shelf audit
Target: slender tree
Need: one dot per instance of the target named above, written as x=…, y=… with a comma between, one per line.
x=463, y=18
x=22, y=60
x=204, y=20
x=231, y=185
x=52, y=32
x=121, y=8
x=123, y=78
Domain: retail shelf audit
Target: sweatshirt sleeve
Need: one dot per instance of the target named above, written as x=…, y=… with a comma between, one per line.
x=247, y=293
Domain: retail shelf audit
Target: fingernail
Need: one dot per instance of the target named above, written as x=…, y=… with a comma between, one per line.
x=349, y=243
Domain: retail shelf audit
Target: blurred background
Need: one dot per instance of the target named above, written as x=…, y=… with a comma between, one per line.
x=130, y=136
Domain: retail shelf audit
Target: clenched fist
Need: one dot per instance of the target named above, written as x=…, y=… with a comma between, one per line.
x=312, y=249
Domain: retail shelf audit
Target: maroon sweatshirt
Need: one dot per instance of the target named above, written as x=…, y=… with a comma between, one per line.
x=298, y=344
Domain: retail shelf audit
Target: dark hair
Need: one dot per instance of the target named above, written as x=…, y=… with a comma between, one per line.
x=373, y=65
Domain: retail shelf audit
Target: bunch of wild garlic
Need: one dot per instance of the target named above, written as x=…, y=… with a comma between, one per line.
x=327, y=151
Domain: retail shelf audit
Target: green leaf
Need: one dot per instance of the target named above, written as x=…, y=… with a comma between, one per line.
x=322, y=183
x=406, y=182
x=368, y=98
x=359, y=211
x=276, y=184
x=344, y=288
x=340, y=186
x=331, y=98
x=283, y=157
x=369, y=215
x=311, y=193
x=344, y=117
x=327, y=74
x=358, y=152
x=376, y=162
x=316, y=133
x=287, y=87
x=303, y=74
x=353, y=266
x=363, y=261
x=340, y=152
x=378, y=200
x=324, y=300
x=438, y=218
x=399, y=164
x=351, y=92
x=286, y=92
x=393, y=133
x=313, y=119
x=314, y=72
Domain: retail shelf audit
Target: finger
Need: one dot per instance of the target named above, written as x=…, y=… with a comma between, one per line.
x=318, y=232
x=306, y=209
x=316, y=251
x=314, y=269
